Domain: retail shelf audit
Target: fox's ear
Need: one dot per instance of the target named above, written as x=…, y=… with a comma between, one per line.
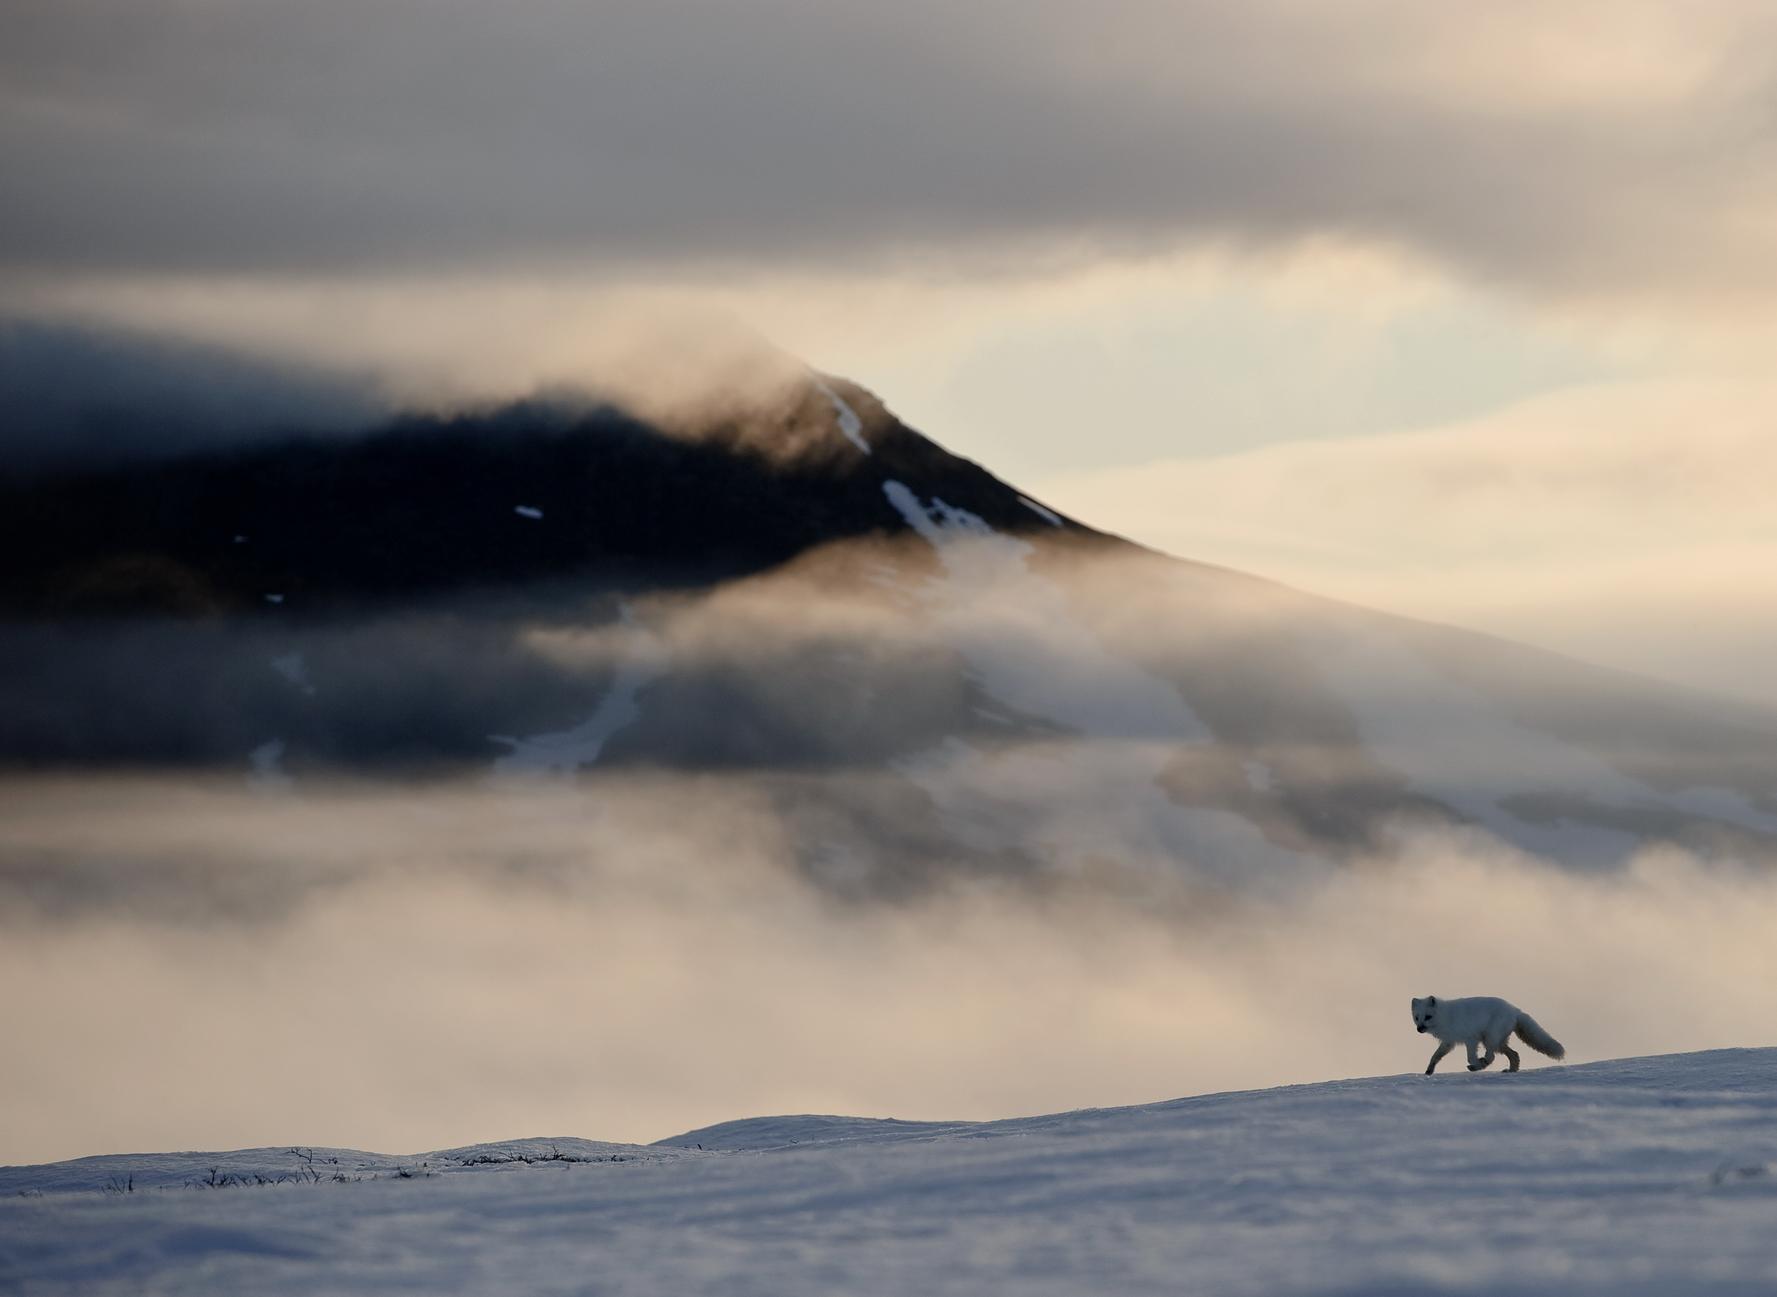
x=1430, y=1001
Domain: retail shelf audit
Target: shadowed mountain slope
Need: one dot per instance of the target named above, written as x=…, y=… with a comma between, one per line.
x=926, y=670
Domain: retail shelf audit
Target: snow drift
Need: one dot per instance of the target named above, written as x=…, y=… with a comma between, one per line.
x=1644, y=1175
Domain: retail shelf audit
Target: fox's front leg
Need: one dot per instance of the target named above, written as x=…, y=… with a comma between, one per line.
x=1437, y=1056
x=1473, y=1064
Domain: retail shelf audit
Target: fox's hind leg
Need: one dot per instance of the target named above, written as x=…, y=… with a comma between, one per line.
x=1511, y=1056
x=1475, y=1065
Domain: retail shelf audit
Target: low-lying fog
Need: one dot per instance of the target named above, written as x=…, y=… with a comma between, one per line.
x=202, y=966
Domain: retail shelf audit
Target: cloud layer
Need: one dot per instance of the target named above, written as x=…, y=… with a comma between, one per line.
x=1627, y=525
x=406, y=970
x=1575, y=147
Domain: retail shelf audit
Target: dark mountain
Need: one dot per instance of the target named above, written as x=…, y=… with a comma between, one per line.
x=921, y=670
x=425, y=507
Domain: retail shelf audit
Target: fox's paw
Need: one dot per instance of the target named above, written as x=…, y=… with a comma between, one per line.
x=1476, y=1067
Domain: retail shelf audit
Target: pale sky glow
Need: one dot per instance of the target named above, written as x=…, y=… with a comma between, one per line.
x=1216, y=276
x=1628, y=524
x=1198, y=374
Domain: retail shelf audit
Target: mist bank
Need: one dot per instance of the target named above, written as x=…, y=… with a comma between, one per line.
x=1622, y=523
x=378, y=967
x=949, y=695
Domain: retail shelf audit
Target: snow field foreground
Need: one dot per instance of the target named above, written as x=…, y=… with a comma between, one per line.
x=1644, y=1176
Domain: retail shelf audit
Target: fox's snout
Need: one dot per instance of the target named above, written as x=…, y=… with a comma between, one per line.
x=1422, y=1029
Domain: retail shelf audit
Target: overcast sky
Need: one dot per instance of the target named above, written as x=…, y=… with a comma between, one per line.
x=1227, y=276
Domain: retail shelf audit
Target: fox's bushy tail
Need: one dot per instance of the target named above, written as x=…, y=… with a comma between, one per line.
x=1538, y=1039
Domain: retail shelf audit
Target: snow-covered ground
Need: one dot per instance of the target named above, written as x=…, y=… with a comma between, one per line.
x=1642, y=1176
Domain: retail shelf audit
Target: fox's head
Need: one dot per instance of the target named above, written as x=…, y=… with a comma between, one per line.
x=1424, y=1011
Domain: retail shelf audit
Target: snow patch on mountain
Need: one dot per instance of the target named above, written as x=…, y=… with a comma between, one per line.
x=569, y=750
x=850, y=425
x=294, y=668
x=1047, y=515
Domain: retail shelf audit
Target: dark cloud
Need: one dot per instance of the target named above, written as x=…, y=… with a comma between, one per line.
x=398, y=134
x=71, y=397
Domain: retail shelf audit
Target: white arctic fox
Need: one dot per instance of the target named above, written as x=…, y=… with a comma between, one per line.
x=1480, y=1020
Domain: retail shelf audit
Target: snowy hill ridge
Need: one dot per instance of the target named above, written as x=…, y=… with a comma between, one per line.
x=1640, y=1175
